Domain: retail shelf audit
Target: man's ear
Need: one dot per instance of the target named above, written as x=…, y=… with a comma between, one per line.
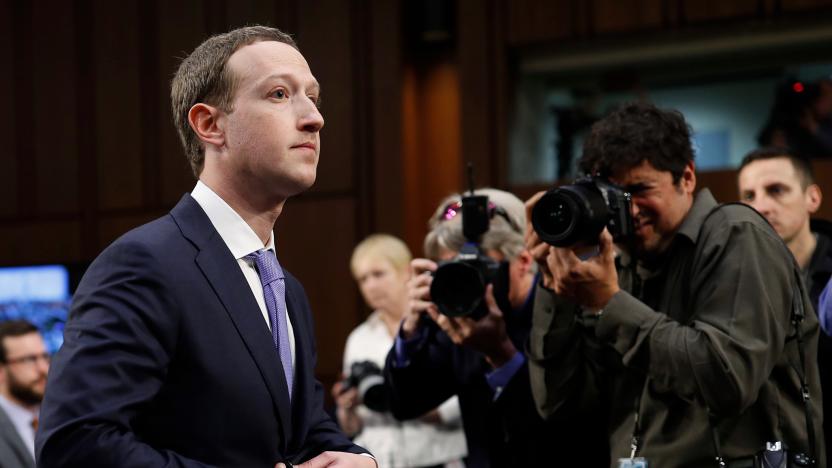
x=688, y=180
x=813, y=198
x=206, y=121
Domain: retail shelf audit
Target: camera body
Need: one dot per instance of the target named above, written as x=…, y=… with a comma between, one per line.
x=367, y=377
x=458, y=286
x=575, y=215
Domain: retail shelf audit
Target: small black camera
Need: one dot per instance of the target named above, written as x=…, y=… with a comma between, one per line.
x=367, y=377
x=575, y=215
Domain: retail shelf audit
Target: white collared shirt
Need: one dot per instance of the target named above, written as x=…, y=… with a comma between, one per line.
x=241, y=240
x=22, y=420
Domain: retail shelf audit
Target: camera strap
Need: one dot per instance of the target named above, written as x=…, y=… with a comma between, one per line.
x=798, y=314
x=796, y=318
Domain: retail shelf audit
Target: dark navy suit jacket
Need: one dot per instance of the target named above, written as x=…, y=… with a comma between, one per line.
x=167, y=362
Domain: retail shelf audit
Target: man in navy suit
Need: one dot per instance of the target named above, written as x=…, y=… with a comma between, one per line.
x=178, y=352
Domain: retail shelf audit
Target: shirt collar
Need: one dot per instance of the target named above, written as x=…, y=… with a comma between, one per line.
x=703, y=204
x=17, y=412
x=234, y=231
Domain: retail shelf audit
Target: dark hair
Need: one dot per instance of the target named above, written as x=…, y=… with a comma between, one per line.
x=637, y=132
x=204, y=77
x=13, y=328
x=801, y=165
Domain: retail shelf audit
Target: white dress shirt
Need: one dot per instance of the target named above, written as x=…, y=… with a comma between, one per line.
x=241, y=241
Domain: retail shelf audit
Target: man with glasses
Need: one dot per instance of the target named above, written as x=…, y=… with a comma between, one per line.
x=24, y=364
x=481, y=360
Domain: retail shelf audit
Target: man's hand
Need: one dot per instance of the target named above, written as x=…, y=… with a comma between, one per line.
x=336, y=460
x=538, y=249
x=486, y=335
x=590, y=283
x=344, y=399
x=418, y=293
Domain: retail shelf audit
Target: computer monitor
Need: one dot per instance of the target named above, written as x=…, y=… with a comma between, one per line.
x=40, y=294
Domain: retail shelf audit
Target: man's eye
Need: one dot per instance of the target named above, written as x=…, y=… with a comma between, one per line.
x=279, y=93
x=775, y=190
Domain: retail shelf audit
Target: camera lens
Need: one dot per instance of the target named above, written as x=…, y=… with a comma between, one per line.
x=570, y=215
x=457, y=289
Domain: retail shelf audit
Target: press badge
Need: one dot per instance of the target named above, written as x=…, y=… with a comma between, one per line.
x=638, y=462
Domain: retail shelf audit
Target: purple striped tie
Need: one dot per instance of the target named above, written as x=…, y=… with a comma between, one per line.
x=274, y=292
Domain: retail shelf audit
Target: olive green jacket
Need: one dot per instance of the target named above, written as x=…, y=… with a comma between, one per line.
x=709, y=330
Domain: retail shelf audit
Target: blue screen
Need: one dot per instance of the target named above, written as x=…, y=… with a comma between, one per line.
x=39, y=294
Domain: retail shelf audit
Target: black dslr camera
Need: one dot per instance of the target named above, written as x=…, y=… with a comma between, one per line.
x=458, y=287
x=366, y=376
x=575, y=215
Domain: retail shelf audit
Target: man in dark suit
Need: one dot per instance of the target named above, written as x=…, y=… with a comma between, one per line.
x=187, y=344
x=24, y=364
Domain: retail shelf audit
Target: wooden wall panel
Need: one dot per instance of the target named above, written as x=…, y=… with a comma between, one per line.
x=324, y=34
x=314, y=239
x=247, y=12
x=720, y=10
x=478, y=92
x=113, y=226
x=54, y=103
x=804, y=5
x=626, y=15
x=386, y=171
x=8, y=152
x=182, y=26
x=432, y=154
x=117, y=101
x=27, y=243
x=530, y=21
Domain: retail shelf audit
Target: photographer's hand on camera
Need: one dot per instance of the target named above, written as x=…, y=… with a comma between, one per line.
x=538, y=249
x=487, y=335
x=418, y=291
x=589, y=283
x=346, y=402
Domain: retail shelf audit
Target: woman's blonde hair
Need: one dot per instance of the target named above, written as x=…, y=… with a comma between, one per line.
x=382, y=246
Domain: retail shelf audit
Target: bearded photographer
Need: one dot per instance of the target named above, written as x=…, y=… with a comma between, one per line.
x=686, y=338
x=478, y=357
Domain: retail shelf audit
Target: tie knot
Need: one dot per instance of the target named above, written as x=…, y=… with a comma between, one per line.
x=267, y=266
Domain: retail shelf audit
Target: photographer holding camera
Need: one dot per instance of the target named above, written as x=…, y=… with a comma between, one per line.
x=693, y=338
x=380, y=266
x=465, y=337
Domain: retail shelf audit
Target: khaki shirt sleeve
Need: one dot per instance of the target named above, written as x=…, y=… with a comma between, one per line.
x=561, y=381
x=740, y=299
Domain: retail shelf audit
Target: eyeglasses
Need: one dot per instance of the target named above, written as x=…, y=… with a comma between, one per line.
x=455, y=208
x=30, y=359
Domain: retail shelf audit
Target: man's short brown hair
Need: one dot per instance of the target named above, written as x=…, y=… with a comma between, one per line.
x=11, y=328
x=802, y=167
x=204, y=77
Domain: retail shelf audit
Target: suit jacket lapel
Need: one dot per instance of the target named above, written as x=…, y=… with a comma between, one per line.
x=9, y=433
x=223, y=273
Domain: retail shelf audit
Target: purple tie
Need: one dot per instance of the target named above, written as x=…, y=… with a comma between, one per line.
x=274, y=292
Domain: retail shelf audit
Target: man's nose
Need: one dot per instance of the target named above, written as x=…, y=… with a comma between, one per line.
x=43, y=366
x=311, y=119
x=762, y=204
